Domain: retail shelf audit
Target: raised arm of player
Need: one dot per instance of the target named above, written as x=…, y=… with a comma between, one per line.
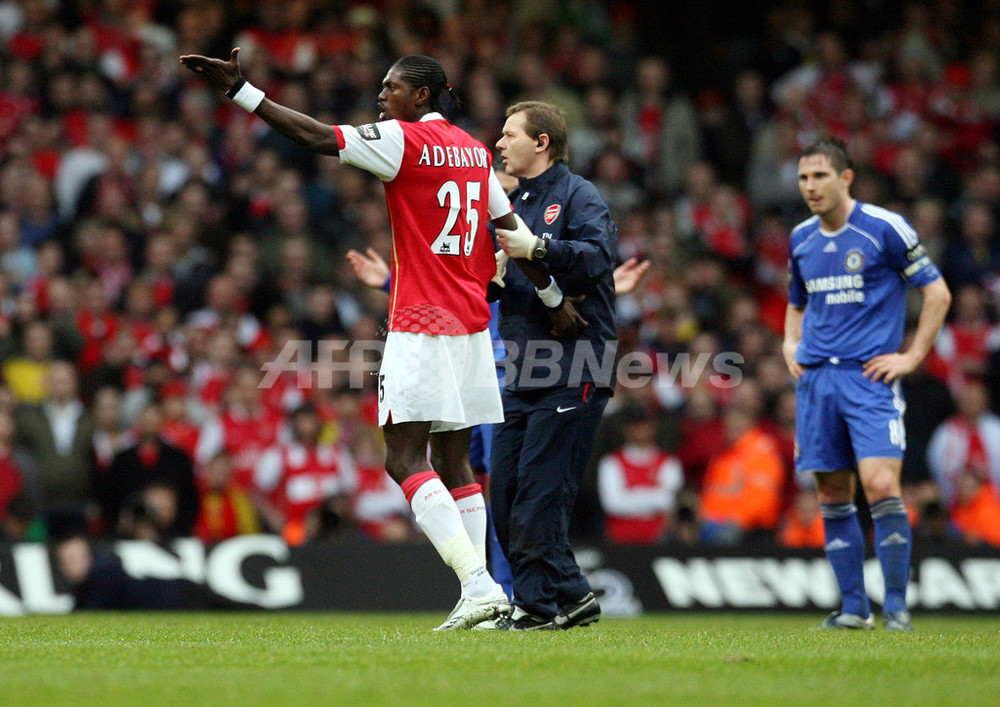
x=887, y=367
x=298, y=127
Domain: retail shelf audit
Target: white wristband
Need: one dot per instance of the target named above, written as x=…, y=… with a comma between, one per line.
x=248, y=97
x=551, y=296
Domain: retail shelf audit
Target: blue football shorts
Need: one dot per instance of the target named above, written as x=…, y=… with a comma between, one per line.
x=841, y=416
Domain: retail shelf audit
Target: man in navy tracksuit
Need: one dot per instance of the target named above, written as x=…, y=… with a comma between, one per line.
x=556, y=388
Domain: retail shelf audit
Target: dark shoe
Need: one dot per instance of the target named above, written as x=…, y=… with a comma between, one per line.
x=521, y=620
x=581, y=613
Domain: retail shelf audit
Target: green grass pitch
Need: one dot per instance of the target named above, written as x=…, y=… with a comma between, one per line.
x=395, y=659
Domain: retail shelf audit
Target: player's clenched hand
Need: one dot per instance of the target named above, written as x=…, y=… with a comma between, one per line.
x=220, y=74
x=519, y=243
x=370, y=268
x=788, y=350
x=566, y=321
x=629, y=274
x=889, y=367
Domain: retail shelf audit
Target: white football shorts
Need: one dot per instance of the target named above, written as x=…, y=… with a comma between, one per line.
x=450, y=381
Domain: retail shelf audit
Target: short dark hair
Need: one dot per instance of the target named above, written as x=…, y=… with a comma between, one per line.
x=419, y=70
x=834, y=148
x=548, y=119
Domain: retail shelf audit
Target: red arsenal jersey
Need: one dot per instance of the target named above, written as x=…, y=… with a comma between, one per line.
x=440, y=192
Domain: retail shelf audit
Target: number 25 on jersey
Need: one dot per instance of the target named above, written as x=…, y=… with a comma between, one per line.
x=449, y=197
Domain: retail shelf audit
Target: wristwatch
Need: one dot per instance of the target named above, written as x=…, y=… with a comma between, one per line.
x=541, y=248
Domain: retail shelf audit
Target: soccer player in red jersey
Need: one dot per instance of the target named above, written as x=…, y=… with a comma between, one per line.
x=437, y=374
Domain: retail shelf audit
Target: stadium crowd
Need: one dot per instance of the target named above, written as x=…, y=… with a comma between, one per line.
x=158, y=246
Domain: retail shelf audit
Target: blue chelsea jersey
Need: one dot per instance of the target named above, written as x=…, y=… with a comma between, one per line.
x=852, y=283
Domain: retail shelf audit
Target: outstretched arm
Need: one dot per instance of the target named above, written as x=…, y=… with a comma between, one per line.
x=298, y=127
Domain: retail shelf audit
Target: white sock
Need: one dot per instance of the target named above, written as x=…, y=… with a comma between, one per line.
x=473, y=511
x=438, y=516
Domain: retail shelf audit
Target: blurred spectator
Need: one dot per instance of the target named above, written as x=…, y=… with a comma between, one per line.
x=928, y=404
x=666, y=122
x=613, y=176
x=964, y=345
x=211, y=375
x=379, y=505
x=57, y=433
x=151, y=487
x=244, y=429
x=50, y=263
x=178, y=428
x=743, y=484
x=17, y=259
x=539, y=84
x=21, y=523
x=802, y=525
x=970, y=258
x=296, y=477
x=117, y=367
x=25, y=371
x=701, y=429
x=226, y=510
x=967, y=442
x=39, y=221
x=638, y=484
x=96, y=321
x=11, y=476
x=600, y=132
x=976, y=509
x=772, y=175
x=110, y=435
x=588, y=515
x=225, y=308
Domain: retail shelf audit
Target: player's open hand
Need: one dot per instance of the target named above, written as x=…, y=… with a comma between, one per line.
x=629, y=274
x=370, y=268
x=566, y=321
x=220, y=74
x=501, y=259
x=889, y=367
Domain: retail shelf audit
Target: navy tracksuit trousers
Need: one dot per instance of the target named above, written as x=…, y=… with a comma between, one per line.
x=540, y=453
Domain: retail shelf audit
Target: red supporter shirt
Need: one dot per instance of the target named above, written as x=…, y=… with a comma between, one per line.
x=638, y=488
x=440, y=191
x=378, y=501
x=243, y=437
x=301, y=477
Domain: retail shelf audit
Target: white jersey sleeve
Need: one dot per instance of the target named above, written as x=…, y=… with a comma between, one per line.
x=267, y=473
x=499, y=203
x=211, y=440
x=375, y=147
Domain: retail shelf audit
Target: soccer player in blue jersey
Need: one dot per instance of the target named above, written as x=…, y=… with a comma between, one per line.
x=850, y=264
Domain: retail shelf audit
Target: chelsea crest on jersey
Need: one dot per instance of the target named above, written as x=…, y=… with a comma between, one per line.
x=852, y=283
